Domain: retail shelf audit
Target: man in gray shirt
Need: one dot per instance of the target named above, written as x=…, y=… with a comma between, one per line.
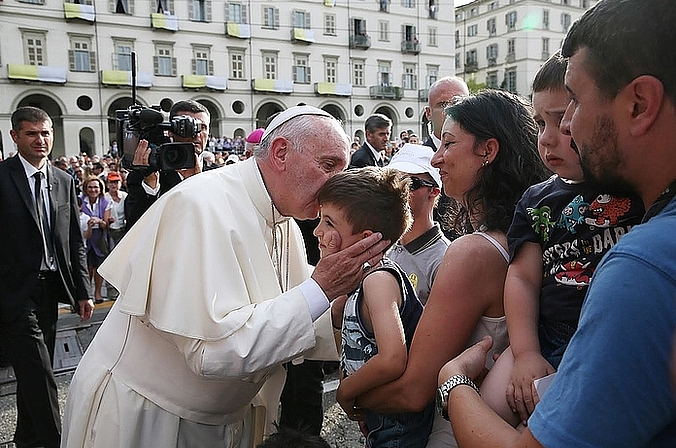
x=421, y=248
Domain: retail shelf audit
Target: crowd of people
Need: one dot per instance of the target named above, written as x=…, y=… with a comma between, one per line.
x=550, y=259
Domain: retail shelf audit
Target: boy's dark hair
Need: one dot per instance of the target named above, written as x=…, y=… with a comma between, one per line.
x=291, y=438
x=187, y=106
x=30, y=114
x=626, y=39
x=552, y=74
x=371, y=198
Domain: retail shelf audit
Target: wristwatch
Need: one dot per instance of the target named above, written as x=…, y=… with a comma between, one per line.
x=445, y=389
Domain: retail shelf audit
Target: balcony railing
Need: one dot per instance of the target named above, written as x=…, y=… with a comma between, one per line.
x=423, y=94
x=78, y=11
x=302, y=35
x=272, y=85
x=333, y=88
x=241, y=30
x=410, y=46
x=164, y=21
x=204, y=81
x=386, y=92
x=471, y=67
x=360, y=41
x=42, y=73
x=123, y=78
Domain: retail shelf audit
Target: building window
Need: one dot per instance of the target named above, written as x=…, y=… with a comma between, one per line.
x=510, y=20
x=81, y=2
x=301, y=19
x=492, y=54
x=165, y=62
x=492, y=80
x=235, y=13
x=384, y=5
x=80, y=56
x=121, y=6
x=565, y=21
x=122, y=55
x=358, y=72
x=301, y=69
x=545, y=19
x=35, y=2
x=408, y=3
x=432, y=36
x=384, y=73
x=490, y=26
x=330, y=69
x=545, y=48
x=199, y=10
x=270, y=65
x=457, y=61
x=270, y=17
x=201, y=61
x=165, y=6
x=34, y=48
x=510, y=79
x=432, y=9
x=471, y=58
x=474, y=12
x=472, y=30
x=565, y=2
x=584, y=4
x=383, y=30
x=493, y=5
x=410, y=80
x=236, y=64
x=432, y=74
x=511, y=47
x=457, y=38
x=330, y=24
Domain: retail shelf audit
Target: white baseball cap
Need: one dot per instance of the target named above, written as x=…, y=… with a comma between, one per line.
x=415, y=159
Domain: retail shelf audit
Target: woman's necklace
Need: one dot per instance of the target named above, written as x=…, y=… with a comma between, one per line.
x=277, y=256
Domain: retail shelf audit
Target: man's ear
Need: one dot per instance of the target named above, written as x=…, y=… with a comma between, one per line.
x=428, y=113
x=279, y=153
x=645, y=95
x=14, y=135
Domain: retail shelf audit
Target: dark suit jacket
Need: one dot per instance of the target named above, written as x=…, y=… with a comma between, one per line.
x=430, y=143
x=21, y=243
x=362, y=157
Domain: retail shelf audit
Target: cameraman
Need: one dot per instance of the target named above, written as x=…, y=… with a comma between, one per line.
x=145, y=187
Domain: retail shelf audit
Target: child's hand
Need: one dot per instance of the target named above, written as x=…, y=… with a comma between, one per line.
x=521, y=394
x=349, y=406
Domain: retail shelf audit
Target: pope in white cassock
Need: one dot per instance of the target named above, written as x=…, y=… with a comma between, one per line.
x=215, y=294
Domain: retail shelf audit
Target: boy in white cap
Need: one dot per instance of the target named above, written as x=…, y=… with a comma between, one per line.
x=421, y=248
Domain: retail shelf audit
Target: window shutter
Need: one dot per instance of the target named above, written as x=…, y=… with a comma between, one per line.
x=193, y=64
x=71, y=60
x=173, y=67
x=130, y=7
x=170, y=5
x=276, y=22
x=111, y=5
x=191, y=14
x=92, y=61
x=207, y=10
x=308, y=22
x=156, y=65
x=211, y=68
x=266, y=16
x=295, y=73
x=244, y=15
x=227, y=12
x=309, y=74
x=403, y=32
x=352, y=28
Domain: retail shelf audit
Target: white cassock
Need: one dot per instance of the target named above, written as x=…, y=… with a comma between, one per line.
x=202, y=324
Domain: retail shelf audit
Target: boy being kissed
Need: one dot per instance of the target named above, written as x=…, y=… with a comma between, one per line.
x=381, y=315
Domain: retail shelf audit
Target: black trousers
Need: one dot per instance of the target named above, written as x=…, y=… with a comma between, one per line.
x=28, y=345
x=302, y=397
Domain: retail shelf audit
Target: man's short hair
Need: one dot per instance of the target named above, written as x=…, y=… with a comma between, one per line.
x=187, y=106
x=371, y=198
x=31, y=114
x=377, y=121
x=626, y=39
x=552, y=74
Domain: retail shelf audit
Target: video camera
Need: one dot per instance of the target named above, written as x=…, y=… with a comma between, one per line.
x=147, y=123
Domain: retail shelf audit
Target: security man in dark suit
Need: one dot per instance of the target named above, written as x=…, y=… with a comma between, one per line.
x=145, y=187
x=378, y=128
x=42, y=263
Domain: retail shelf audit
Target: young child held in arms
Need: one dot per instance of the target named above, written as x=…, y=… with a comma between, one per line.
x=380, y=317
x=561, y=229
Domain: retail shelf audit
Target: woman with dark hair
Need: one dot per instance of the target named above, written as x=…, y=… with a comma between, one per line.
x=487, y=158
x=97, y=207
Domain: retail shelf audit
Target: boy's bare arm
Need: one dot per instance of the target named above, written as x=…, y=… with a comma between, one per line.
x=382, y=298
x=522, y=305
